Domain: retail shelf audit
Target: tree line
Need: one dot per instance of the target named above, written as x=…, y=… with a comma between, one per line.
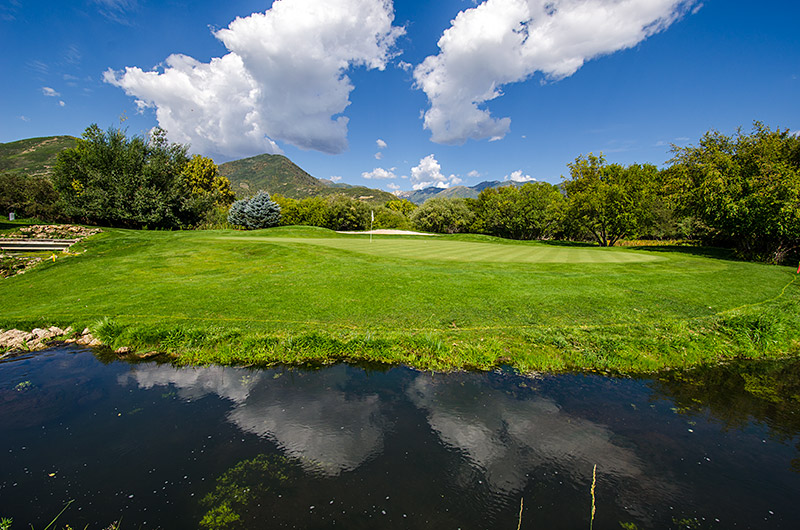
x=741, y=191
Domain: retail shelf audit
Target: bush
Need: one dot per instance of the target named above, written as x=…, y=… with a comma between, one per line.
x=257, y=212
x=348, y=214
x=444, y=216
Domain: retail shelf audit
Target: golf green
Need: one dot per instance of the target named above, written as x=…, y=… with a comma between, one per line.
x=466, y=251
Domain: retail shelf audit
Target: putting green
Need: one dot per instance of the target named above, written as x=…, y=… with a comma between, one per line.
x=468, y=251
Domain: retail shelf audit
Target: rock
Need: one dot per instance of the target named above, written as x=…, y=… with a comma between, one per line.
x=86, y=332
x=123, y=350
x=95, y=342
x=14, y=339
x=68, y=330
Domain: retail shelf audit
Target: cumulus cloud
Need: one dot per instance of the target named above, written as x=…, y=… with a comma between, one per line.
x=284, y=78
x=378, y=155
x=49, y=92
x=473, y=174
x=61, y=103
x=507, y=41
x=309, y=415
x=392, y=186
x=428, y=173
x=517, y=176
x=378, y=174
x=335, y=179
x=506, y=438
x=381, y=144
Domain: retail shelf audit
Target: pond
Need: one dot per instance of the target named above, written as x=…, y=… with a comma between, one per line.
x=159, y=446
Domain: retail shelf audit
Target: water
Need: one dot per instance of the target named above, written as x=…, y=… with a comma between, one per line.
x=344, y=447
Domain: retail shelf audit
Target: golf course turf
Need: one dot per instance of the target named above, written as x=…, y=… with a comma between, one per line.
x=306, y=295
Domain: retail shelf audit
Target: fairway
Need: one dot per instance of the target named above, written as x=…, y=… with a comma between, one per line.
x=297, y=294
x=465, y=251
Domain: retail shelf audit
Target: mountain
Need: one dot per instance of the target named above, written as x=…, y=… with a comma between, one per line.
x=278, y=174
x=34, y=156
x=455, y=192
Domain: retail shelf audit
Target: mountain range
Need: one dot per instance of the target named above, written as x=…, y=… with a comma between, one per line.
x=455, y=192
x=272, y=173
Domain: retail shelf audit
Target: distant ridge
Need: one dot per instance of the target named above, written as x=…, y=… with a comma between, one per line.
x=34, y=156
x=278, y=174
x=455, y=192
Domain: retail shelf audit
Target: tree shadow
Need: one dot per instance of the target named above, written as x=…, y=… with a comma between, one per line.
x=704, y=252
x=561, y=243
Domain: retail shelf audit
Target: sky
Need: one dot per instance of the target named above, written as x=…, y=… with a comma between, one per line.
x=406, y=94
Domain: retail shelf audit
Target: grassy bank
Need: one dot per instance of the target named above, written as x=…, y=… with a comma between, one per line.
x=296, y=295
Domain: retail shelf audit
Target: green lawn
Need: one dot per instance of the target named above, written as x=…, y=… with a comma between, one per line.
x=305, y=294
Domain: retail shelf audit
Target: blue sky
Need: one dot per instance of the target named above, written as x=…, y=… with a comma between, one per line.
x=404, y=94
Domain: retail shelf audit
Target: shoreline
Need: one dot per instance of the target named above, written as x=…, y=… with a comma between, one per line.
x=676, y=348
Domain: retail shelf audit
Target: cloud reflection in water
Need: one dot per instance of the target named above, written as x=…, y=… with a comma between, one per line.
x=308, y=414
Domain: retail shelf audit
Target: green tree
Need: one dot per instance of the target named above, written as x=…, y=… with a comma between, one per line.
x=530, y=211
x=309, y=211
x=610, y=201
x=27, y=196
x=135, y=182
x=403, y=206
x=345, y=213
x=746, y=187
x=202, y=179
x=390, y=218
x=444, y=216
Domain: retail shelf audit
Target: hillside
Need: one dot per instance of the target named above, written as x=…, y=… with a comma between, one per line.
x=455, y=192
x=34, y=156
x=278, y=174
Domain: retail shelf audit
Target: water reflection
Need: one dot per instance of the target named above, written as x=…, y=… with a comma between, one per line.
x=508, y=436
x=342, y=447
x=739, y=393
x=310, y=415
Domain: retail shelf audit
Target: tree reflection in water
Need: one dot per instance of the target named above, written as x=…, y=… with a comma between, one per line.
x=739, y=393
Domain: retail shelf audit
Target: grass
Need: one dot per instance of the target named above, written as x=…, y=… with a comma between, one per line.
x=306, y=295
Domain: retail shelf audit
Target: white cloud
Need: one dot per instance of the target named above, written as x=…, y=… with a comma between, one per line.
x=61, y=104
x=378, y=155
x=517, y=176
x=428, y=173
x=335, y=179
x=284, y=78
x=381, y=144
x=405, y=66
x=473, y=174
x=507, y=41
x=311, y=417
x=392, y=186
x=49, y=92
x=378, y=173
x=24, y=118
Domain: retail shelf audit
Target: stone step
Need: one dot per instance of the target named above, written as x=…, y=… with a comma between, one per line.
x=27, y=245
